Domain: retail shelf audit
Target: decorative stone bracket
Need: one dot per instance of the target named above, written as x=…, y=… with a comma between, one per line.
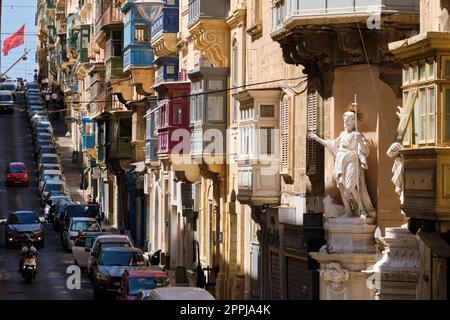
x=166, y=45
x=321, y=50
x=335, y=274
x=212, y=38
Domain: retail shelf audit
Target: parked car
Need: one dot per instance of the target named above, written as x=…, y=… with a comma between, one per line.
x=52, y=186
x=51, y=166
x=175, y=293
x=82, y=247
x=50, y=175
x=48, y=158
x=111, y=264
x=16, y=173
x=22, y=224
x=137, y=280
x=102, y=242
x=46, y=148
x=6, y=101
x=81, y=211
x=72, y=228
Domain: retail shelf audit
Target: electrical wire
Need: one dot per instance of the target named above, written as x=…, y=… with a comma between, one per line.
x=207, y=92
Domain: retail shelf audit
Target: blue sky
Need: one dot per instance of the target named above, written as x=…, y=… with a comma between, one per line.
x=15, y=14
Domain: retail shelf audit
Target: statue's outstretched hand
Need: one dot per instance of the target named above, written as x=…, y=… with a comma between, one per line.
x=399, y=112
x=314, y=136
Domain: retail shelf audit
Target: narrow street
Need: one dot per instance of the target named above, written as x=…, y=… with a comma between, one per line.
x=16, y=144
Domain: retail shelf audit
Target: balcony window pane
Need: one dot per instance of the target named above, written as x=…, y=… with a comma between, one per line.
x=431, y=115
x=447, y=114
x=215, y=108
x=431, y=70
x=415, y=72
x=423, y=71
x=141, y=33
x=405, y=75
x=415, y=123
x=125, y=128
x=447, y=69
x=177, y=114
x=266, y=141
x=422, y=114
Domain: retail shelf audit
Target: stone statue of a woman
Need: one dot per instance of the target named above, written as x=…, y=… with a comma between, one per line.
x=350, y=151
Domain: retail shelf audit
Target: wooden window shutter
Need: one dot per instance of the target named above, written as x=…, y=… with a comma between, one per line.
x=284, y=133
x=313, y=127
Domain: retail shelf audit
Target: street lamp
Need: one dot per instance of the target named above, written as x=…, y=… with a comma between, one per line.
x=149, y=9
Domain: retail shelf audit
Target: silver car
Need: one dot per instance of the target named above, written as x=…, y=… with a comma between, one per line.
x=6, y=101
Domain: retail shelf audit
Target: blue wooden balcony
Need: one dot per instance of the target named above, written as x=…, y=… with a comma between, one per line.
x=167, y=22
x=167, y=69
x=138, y=56
x=88, y=134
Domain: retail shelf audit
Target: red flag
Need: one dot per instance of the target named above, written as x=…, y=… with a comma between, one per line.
x=13, y=41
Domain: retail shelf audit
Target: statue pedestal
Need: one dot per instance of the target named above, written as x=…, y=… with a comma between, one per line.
x=396, y=273
x=350, y=235
x=350, y=250
x=341, y=277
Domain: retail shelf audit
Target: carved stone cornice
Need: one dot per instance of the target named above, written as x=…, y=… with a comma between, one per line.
x=321, y=49
x=165, y=45
x=212, y=38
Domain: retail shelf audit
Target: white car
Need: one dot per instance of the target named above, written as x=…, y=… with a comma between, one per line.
x=50, y=175
x=54, y=187
x=175, y=293
x=74, y=226
x=82, y=248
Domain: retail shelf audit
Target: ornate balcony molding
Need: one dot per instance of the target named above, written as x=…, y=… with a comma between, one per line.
x=165, y=45
x=212, y=38
x=237, y=18
x=322, y=49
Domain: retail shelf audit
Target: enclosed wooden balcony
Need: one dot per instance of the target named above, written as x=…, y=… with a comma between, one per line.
x=164, y=30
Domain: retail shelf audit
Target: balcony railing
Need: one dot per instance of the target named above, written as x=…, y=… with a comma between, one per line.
x=163, y=142
x=112, y=15
x=320, y=8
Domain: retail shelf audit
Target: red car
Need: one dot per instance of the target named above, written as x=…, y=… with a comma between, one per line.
x=135, y=281
x=16, y=173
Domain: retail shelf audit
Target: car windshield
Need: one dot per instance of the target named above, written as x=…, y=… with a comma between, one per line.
x=17, y=169
x=9, y=87
x=5, y=97
x=82, y=211
x=49, y=160
x=113, y=245
x=115, y=258
x=48, y=149
x=24, y=218
x=85, y=226
x=51, y=177
x=137, y=285
x=53, y=187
